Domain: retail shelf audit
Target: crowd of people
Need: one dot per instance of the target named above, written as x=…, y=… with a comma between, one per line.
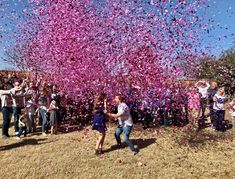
x=39, y=103
x=27, y=101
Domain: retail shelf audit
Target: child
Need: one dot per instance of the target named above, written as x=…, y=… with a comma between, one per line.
x=53, y=109
x=233, y=113
x=219, y=108
x=22, y=124
x=99, y=121
x=194, y=103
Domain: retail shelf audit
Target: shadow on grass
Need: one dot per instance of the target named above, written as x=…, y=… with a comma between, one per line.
x=201, y=137
x=141, y=143
x=22, y=143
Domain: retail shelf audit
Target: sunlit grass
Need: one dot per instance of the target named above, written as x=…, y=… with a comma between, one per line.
x=164, y=153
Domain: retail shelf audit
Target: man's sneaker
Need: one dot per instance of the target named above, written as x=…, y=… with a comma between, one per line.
x=136, y=150
x=135, y=153
x=17, y=133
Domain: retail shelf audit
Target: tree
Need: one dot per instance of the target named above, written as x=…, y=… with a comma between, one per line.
x=221, y=70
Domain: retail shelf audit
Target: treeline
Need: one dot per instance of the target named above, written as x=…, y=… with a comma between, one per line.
x=221, y=70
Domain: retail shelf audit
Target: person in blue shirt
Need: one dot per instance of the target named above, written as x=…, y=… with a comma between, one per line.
x=98, y=122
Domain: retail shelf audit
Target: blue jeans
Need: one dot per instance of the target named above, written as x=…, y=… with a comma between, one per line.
x=127, y=131
x=6, y=114
x=16, y=113
x=43, y=113
x=21, y=131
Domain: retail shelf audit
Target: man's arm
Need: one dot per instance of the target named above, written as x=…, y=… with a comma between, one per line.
x=119, y=114
x=13, y=93
x=115, y=116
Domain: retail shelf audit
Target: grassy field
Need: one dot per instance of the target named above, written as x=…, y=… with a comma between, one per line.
x=164, y=153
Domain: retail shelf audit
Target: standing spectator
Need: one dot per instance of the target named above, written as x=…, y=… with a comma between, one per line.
x=54, y=94
x=194, y=103
x=219, y=107
x=211, y=93
x=43, y=103
x=18, y=104
x=6, y=101
x=30, y=106
x=32, y=91
x=53, y=109
x=166, y=105
x=145, y=114
x=203, y=87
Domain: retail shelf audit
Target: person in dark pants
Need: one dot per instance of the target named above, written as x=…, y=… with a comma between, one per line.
x=6, y=102
x=219, y=108
x=6, y=113
x=125, y=123
x=203, y=87
x=18, y=104
x=211, y=93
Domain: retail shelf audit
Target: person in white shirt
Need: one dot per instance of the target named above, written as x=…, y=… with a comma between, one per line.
x=125, y=123
x=219, y=108
x=203, y=87
x=6, y=101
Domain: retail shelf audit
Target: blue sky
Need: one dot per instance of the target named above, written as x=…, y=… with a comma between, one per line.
x=223, y=14
x=220, y=38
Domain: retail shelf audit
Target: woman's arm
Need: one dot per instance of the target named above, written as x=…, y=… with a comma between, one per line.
x=36, y=110
x=105, y=104
x=24, y=83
